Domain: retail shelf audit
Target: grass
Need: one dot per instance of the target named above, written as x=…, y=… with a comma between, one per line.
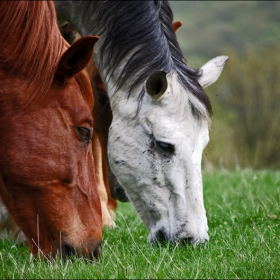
x=243, y=209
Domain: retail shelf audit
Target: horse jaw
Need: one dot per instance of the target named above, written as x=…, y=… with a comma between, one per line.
x=212, y=70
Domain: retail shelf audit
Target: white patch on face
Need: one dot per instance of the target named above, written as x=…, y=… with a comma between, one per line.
x=164, y=186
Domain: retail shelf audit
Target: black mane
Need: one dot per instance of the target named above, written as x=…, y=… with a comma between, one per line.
x=148, y=25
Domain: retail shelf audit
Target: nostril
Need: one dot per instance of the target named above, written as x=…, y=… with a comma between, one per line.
x=161, y=236
x=96, y=250
x=67, y=251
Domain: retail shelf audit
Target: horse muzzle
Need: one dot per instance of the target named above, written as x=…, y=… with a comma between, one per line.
x=163, y=237
x=91, y=252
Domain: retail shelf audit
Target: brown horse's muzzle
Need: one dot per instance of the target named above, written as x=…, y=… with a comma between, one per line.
x=91, y=253
x=66, y=250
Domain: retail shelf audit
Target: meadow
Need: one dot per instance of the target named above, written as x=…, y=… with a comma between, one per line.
x=243, y=209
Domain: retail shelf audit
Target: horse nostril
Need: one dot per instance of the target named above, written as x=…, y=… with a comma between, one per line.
x=161, y=236
x=96, y=250
x=67, y=251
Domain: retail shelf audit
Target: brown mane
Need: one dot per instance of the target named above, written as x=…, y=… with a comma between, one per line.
x=31, y=45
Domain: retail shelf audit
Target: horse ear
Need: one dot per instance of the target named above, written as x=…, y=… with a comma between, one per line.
x=75, y=59
x=156, y=84
x=176, y=25
x=212, y=70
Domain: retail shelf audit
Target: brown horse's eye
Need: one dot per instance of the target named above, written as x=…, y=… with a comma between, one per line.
x=84, y=134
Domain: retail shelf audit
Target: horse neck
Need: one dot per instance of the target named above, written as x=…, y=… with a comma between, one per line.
x=30, y=43
x=134, y=37
x=71, y=11
x=133, y=44
x=29, y=33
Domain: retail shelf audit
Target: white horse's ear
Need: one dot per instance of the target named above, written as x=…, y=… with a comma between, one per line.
x=212, y=70
x=156, y=84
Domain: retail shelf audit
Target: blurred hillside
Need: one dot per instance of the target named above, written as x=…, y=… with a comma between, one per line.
x=209, y=27
x=245, y=129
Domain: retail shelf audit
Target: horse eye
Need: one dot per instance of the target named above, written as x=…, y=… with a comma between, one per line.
x=84, y=134
x=165, y=147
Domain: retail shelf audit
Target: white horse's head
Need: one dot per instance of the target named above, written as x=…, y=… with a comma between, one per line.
x=156, y=154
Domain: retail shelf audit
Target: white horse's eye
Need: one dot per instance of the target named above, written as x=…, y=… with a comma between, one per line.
x=165, y=147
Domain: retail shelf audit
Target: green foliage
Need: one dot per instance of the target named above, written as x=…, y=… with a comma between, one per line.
x=247, y=104
x=209, y=27
x=245, y=128
x=243, y=211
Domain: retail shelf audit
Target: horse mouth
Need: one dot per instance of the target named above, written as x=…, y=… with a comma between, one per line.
x=162, y=237
x=67, y=251
x=93, y=253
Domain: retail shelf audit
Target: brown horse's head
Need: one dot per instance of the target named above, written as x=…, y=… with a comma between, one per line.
x=47, y=177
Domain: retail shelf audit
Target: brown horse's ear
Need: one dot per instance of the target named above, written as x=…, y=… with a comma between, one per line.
x=75, y=59
x=177, y=25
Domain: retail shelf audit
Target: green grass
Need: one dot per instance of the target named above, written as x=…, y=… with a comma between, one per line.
x=243, y=209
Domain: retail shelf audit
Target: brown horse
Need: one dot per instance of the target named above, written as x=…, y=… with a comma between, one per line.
x=47, y=172
x=102, y=120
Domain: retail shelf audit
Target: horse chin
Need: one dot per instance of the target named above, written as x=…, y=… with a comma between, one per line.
x=194, y=241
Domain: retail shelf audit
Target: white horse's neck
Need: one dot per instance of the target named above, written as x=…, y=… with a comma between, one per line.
x=119, y=43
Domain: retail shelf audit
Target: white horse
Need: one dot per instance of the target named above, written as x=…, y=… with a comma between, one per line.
x=161, y=115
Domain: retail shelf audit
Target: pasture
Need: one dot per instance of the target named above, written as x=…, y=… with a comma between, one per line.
x=243, y=209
